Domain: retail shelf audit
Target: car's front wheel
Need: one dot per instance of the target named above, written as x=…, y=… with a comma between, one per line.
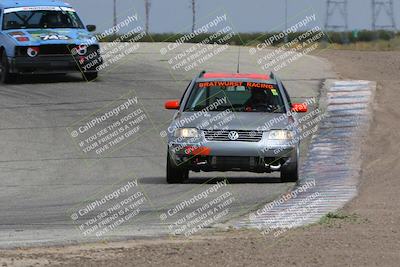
x=290, y=174
x=175, y=174
x=5, y=75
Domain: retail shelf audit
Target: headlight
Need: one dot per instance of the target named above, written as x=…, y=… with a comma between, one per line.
x=280, y=135
x=33, y=51
x=186, y=132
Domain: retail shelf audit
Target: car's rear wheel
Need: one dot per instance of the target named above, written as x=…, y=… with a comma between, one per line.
x=5, y=75
x=176, y=174
x=90, y=76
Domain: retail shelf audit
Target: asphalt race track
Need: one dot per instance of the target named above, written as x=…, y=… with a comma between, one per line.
x=44, y=178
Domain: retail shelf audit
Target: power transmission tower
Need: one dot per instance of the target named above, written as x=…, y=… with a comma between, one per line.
x=194, y=15
x=147, y=6
x=336, y=8
x=386, y=6
x=115, y=14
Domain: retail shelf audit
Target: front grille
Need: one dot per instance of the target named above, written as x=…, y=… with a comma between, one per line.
x=46, y=50
x=223, y=135
x=237, y=162
x=56, y=49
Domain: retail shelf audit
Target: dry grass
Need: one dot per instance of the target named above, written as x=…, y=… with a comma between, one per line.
x=379, y=45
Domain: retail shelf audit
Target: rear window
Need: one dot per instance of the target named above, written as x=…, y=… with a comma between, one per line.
x=236, y=96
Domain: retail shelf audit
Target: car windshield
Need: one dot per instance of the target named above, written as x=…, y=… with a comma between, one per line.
x=34, y=19
x=235, y=96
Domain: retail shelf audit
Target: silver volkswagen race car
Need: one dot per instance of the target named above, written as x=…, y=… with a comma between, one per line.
x=234, y=122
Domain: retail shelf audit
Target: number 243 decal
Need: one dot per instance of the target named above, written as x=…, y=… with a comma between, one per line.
x=54, y=37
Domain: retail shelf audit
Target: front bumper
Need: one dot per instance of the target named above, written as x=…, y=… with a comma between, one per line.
x=53, y=64
x=261, y=156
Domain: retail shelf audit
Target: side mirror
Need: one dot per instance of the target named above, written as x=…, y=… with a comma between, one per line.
x=172, y=104
x=91, y=28
x=299, y=107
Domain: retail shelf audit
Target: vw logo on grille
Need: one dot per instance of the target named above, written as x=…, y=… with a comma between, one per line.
x=233, y=135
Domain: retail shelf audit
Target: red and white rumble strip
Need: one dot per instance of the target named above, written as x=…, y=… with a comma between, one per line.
x=330, y=174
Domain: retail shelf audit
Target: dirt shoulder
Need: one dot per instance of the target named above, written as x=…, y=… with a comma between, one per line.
x=368, y=233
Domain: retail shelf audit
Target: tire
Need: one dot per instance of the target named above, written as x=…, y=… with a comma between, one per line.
x=290, y=174
x=175, y=174
x=5, y=75
x=90, y=76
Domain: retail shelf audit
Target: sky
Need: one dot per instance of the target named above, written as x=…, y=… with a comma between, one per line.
x=245, y=15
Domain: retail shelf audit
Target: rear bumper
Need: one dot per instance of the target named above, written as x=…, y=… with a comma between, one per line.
x=53, y=64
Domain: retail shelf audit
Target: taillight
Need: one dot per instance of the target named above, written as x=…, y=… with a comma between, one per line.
x=33, y=51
